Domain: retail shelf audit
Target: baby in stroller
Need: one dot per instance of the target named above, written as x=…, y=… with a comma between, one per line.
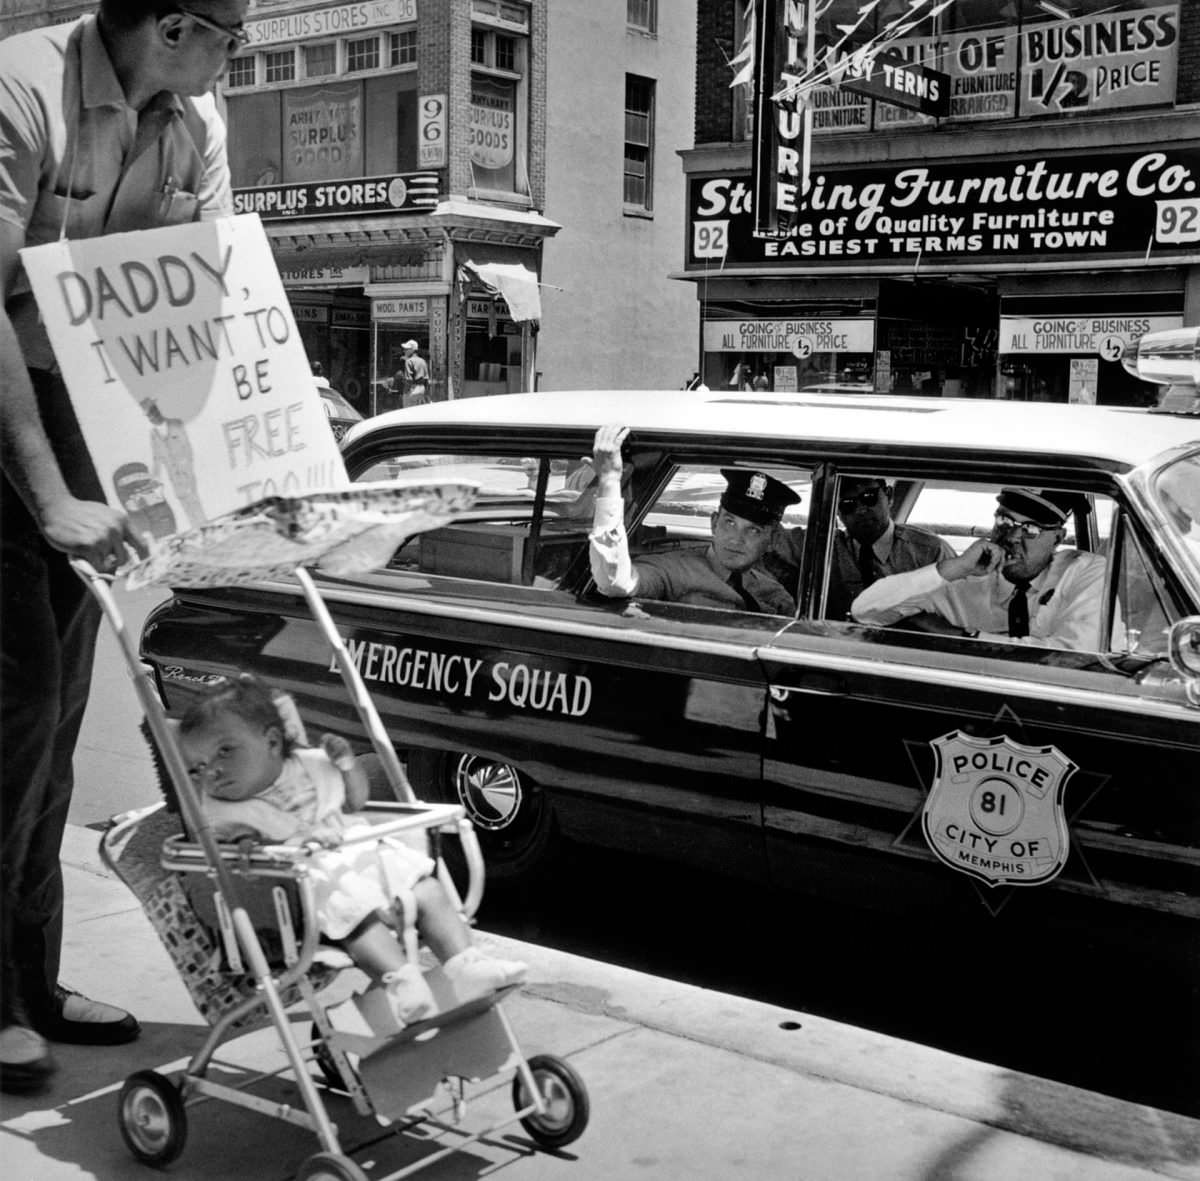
x=256, y=782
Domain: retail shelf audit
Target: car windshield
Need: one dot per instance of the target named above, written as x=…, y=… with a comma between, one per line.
x=1177, y=490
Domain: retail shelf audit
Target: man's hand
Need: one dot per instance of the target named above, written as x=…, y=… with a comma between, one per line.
x=91, y=530
x=606, y=451
x=978, y=559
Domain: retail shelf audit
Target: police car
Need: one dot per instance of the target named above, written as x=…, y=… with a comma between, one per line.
x=929, y=769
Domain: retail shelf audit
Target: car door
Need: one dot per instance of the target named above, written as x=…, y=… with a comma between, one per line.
x=912, y=769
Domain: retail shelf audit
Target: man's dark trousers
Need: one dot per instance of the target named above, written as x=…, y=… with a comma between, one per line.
x=48, y=627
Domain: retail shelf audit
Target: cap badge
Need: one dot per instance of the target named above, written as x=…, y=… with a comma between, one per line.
x=757, y=487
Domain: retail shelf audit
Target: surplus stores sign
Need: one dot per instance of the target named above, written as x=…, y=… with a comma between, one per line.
x=1134, y=204
x=410, y=192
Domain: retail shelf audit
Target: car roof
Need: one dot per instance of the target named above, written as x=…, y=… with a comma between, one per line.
x=1125, y=435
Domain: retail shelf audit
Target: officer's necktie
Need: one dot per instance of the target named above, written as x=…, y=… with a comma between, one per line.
x=1018, y=610
x=735, y=581
x=866, y=564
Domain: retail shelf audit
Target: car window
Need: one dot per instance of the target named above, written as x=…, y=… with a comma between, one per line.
x=935, y=519
x=1143, y=603
x=514, y=534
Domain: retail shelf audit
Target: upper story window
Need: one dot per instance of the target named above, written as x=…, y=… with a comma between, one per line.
x=242, y=71
x=402, y=48
x=293, y=64
x=642, y=15
x=639, y=143
x=499, y=99
x=320, y=60
x=280, y=65
x=362, y=54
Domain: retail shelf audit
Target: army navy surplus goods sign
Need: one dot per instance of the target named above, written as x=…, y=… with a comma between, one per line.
x=995, y=810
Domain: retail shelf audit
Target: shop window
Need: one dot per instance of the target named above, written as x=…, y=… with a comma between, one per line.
x=402, y=48
x=242, y=72
x=639, y=144
x=280, y=66
x=320, y=60
x=642, y=15
x=362, y=54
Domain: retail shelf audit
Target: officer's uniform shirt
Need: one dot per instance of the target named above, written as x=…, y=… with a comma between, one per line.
x=678, y=576
x=76, y=161
x=1066, y=602
x=898, y=548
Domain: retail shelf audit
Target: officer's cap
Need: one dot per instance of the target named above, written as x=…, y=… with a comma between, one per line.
x=755, y=496
x=1042, y=508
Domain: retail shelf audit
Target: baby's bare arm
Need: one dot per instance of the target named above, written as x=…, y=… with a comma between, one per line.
x=341, y=755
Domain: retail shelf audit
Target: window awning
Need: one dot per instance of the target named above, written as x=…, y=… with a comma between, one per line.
x=518, y=284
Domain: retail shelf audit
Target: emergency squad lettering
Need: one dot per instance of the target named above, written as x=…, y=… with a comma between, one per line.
x=521, y=685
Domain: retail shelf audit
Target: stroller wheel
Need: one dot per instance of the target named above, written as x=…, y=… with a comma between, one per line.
x=565, y=1098
x=330, y=1166
x=153, y=1118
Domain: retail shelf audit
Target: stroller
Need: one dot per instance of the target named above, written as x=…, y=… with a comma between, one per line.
x=239, y=924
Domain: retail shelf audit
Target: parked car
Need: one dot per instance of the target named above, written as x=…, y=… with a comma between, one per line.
x=342, y=416
x=810, y=752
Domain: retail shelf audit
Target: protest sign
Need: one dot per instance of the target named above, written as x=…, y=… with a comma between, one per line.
x=185, y=369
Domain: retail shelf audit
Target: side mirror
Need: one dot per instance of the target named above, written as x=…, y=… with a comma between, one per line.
x=1183, y=647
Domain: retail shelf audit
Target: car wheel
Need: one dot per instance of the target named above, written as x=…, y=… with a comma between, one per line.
x=565, y=1098
x=511, y=814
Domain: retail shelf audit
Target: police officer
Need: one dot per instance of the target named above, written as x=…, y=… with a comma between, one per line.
x=727, y=574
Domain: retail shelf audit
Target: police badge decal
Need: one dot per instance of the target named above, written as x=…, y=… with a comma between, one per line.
x=995, y=810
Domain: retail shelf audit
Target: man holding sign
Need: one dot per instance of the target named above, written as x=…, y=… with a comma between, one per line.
x=106, y=126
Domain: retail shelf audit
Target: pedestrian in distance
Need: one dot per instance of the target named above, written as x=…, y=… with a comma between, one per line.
x=412, y=378
x=107, y=125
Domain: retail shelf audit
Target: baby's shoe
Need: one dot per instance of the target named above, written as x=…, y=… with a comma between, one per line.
x=473, y=973
x=409, y=994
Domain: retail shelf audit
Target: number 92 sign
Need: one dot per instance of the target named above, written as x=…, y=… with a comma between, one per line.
x=710, y=239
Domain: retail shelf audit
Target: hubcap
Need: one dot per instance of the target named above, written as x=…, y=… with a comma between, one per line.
x=556, y=1097
x=148, y=1120
x=491, y=792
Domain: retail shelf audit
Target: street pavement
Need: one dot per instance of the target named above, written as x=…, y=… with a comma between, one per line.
x=684, y=1082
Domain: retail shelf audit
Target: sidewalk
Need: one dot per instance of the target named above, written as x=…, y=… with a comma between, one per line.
x=684, y=1083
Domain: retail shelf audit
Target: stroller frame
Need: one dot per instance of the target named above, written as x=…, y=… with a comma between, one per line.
x=465, y=1042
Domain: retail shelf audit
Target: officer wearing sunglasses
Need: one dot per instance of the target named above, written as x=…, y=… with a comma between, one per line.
x=1017, y=585
x=869, y=545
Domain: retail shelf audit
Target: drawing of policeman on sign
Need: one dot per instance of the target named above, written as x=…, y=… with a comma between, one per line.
x=995, y=810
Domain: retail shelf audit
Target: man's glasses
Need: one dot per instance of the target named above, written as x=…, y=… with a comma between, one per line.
x=1027, y=528
x=865, y=499
x=236, y=34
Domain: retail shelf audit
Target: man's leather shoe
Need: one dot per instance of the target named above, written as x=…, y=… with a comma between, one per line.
x=77, y=1019
x=25, y=1062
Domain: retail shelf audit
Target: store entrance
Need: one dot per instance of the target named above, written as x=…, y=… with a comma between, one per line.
x=937, y=337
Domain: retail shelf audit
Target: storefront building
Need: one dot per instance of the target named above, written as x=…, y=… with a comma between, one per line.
x=394, y=151
x=1010, y=247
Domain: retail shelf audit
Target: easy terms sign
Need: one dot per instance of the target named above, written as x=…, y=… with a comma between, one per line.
x=1127, y=204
